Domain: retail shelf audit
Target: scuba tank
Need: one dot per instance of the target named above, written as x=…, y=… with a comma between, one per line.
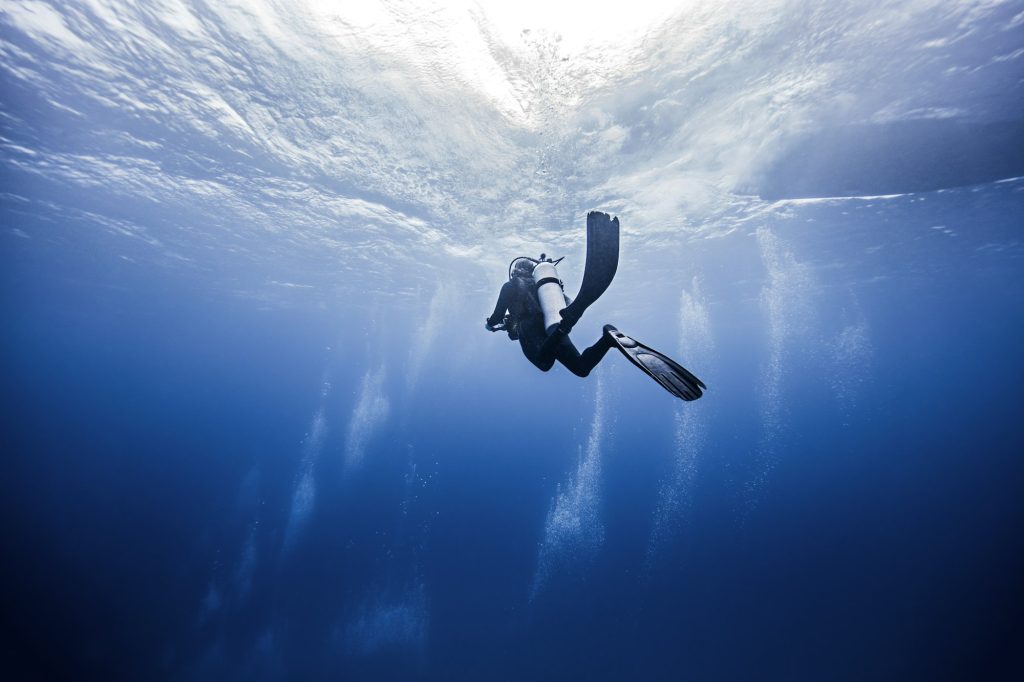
x=550, y=292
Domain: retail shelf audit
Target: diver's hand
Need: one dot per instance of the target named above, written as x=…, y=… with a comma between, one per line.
x=488, y=326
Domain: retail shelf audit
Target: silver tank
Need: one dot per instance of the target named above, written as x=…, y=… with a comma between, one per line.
x=549, y=292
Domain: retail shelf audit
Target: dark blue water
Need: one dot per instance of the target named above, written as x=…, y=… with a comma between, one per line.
x=154, y=433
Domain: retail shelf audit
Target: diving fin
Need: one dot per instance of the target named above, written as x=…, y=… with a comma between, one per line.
x=672, y=376
x=599, y=270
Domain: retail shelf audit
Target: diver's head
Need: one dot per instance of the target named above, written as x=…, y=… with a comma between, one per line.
x=523, y=268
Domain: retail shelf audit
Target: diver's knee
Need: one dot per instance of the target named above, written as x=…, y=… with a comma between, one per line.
x=544, y=366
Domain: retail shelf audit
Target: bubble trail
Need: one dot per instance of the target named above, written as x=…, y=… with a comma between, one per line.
x=573, y=531
x=696, y=347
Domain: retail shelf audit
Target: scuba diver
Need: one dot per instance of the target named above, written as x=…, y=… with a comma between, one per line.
x=533, y=309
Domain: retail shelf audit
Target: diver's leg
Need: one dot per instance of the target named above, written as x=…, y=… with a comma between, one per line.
x=582, y=364
x=595, y=353
x=549, y=350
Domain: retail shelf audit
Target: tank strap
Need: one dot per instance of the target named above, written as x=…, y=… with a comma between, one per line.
x=549, y=280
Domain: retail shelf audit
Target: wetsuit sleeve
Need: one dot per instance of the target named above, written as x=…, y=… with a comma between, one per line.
x=504, y=299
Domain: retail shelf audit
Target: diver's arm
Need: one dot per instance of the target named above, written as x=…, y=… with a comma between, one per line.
x=504, y=298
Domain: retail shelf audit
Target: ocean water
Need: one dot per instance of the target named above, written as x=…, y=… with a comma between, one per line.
x=253, y=428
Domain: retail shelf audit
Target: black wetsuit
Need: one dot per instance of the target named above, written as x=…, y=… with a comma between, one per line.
x=519, y=297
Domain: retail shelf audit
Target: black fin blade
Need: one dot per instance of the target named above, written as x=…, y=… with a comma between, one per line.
x=599, y=271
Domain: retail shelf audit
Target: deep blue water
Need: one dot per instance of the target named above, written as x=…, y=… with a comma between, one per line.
x=253, y=428
x=154, y=436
